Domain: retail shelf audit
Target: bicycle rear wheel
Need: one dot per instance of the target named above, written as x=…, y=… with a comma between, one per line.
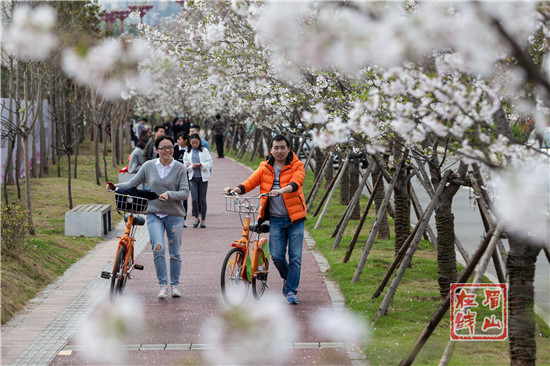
x=119, y=276
x=234, y=287
x=259, y=281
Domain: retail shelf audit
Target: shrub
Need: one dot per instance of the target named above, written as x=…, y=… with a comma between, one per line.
x=15, y=225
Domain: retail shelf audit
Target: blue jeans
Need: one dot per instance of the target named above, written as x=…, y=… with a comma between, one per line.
x=282, y=234
x=173, y=226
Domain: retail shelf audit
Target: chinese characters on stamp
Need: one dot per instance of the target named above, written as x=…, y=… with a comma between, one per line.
x=479, y=312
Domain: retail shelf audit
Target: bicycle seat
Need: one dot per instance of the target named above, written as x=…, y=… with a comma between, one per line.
x=259, y=228
x=138, y=220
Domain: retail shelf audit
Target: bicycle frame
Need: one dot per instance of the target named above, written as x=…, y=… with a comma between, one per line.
x=127, y=242
x=251, y=264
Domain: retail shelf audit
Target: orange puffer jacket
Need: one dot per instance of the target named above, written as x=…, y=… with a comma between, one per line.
x=293, y=174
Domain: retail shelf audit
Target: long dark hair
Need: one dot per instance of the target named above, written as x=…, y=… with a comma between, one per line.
x=195, y=136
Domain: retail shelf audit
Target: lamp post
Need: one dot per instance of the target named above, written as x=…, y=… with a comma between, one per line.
x=143, y=9
x=121, y=15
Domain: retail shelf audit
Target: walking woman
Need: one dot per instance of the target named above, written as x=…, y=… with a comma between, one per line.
x=180, y=148
x=198, y=163
x=166, y=177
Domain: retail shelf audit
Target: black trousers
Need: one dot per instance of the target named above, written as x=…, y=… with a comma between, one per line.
x=219, y=144
x=198, y=190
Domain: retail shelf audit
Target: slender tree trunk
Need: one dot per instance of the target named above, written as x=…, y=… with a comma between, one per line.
x=521, y=294
x=8, y=171
x=384, y=227
x=28, y=183
x=329, y=173
x=354, y=185
x=69, y=186
x=43, y=149
x=18, y=153
x=34, y=165
x=344, y=183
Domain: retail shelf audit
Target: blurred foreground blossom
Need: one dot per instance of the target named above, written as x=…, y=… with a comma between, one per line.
x=111, y=68
x=104, y=334
x=340, y=326
x=522, y=198
x=254, y=334
x=30, y=34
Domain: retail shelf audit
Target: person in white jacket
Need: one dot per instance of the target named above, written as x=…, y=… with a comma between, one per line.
x=198, y=162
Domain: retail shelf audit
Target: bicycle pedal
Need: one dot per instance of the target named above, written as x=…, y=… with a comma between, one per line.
x=138, y=267
x=105, y=274
x=262, y=276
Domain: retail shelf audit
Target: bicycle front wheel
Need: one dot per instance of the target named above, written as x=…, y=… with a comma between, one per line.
x=234, y=287
x=119, y=276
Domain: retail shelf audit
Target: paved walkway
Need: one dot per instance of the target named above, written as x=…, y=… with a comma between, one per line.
x=47, y=332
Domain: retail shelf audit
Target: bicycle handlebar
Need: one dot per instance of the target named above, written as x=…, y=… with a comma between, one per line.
x=235, y=194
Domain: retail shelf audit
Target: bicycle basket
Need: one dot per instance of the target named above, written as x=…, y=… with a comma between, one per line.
x=130, y=204
x=242, y=204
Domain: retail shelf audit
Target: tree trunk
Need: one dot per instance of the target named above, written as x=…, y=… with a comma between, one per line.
x=69, y=186
x=319, y=158
x=354, y=185
x=344, y=183
x=18, y=153
x=384, y=228
x=329, y=173
x=521, y=298
x=28, y=183
x=96, y=153
x=43, y=151
x=446, y=255
x=402, y=203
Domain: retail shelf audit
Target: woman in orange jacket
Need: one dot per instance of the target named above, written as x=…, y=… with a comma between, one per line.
x=282, y=175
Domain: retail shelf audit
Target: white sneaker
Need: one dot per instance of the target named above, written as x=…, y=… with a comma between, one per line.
x=176, y=292
x=163, y=293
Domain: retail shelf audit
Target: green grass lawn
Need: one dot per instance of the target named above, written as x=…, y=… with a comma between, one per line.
x=416, y=299
x=43, y=257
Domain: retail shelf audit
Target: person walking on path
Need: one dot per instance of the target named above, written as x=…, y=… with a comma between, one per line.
x=142, y=126
x=219, y=131
x=136, y=158
x=150, y=151
x=182, y=143
x=282, y=175
x=198, y=162
x=196, y=130
x=186, y=125
x=167, y=178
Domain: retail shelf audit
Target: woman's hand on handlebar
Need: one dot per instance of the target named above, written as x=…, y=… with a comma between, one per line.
x=110, y=187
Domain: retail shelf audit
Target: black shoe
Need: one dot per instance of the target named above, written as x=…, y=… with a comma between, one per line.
x=196, y=224
x=203, y=225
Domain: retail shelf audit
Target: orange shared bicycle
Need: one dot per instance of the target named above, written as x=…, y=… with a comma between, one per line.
x=124, y=259
x=241, y=267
